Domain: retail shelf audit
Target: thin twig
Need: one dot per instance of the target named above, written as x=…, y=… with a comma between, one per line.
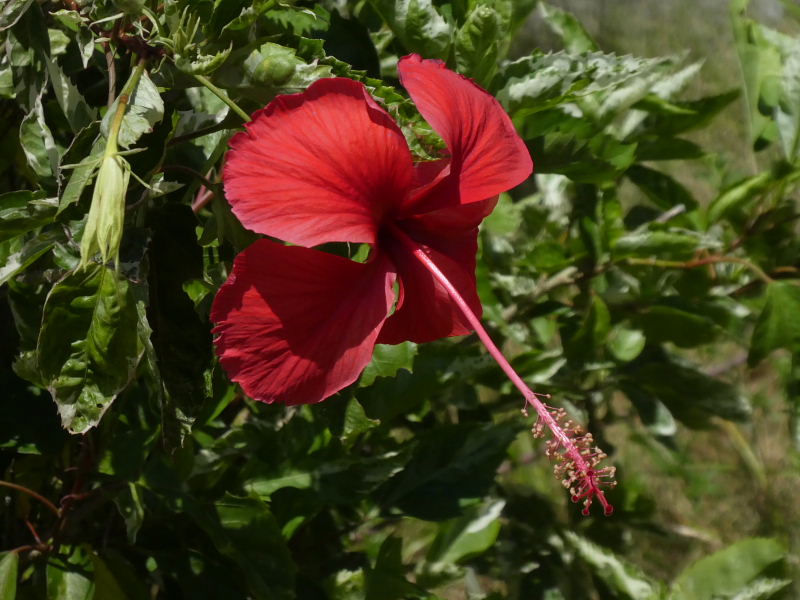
x=701, y=262
x=31, y=493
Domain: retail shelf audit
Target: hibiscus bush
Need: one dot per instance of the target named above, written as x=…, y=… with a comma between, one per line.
x=245, y=246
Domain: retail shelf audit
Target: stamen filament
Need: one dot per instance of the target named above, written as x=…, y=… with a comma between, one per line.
x=576, y=458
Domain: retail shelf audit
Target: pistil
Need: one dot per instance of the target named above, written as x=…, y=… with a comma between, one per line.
x=577, y=459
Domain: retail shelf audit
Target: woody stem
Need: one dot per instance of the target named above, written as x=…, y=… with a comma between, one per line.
x=582, y=466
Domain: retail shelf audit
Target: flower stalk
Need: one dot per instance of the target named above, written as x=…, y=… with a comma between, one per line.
x=577, y=459
x=105, y=222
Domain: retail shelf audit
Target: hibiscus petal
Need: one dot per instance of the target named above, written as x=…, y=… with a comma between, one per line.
x=487, y=154
x=426, y=311
x=320, y=166
x=296, y=325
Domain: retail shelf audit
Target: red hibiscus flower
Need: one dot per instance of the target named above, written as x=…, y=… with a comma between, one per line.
x=294, y=324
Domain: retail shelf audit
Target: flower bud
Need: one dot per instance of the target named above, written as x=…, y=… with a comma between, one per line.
x=103, y=231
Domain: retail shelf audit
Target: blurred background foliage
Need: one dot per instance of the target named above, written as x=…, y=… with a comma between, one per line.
x=646, y=277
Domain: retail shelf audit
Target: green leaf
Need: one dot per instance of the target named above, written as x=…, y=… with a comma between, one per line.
x=739, y=196
x=467, y=536
x=592, y=333
x=728, y=571
x=130, y=505
x=387, y=360
x=625, y=344
x=83, y=171
x=661, y=244
x=564, y=24
x=8, y=575
x=761, y=589
x=683, y=328
x=662, y=190
x=23, y=211
x=480, y=40
x=145, y=109
x=245, y=531
x=266, y=486
x=70, y=574
x=770, y=63
x=115, y=579
x=673, y=118
x=356, y=422
x=419, y=26
x=660, y=148
x=451, y=465
x=16, y=254
x=691, y=396
x=88, y=346
x=12, y=11
x=619, y=575
x=6, y=79
x=38, y=144
x=387, y=581
x=78, y=113
x=778, y=325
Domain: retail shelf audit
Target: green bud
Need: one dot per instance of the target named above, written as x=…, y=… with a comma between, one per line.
x=271, y=65
x=103, y=232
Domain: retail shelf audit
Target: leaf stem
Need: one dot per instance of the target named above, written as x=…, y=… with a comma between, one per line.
x=32, y=494
x=122, y=106
x=580, y=468
x=700, y=262
x=220, y=93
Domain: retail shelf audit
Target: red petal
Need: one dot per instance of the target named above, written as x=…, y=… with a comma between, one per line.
x=296, y=325
x=426, y=311
x=320, y=166
x=487, y=154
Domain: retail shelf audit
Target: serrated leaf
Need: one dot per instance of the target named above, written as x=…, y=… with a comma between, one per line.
x=419, y=26
x=564, y=24
x=88, y=346
x=618, y=574
x=613, y=82
x=761, y=589
x=675, y=117
x=478, y=42
x=728, y=571
x=778, y=325
x=8, y=575
x=356, y=422
x=145, y=109
x=387, y=360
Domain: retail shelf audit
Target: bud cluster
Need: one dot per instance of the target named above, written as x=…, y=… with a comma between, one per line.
x=575, y=456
